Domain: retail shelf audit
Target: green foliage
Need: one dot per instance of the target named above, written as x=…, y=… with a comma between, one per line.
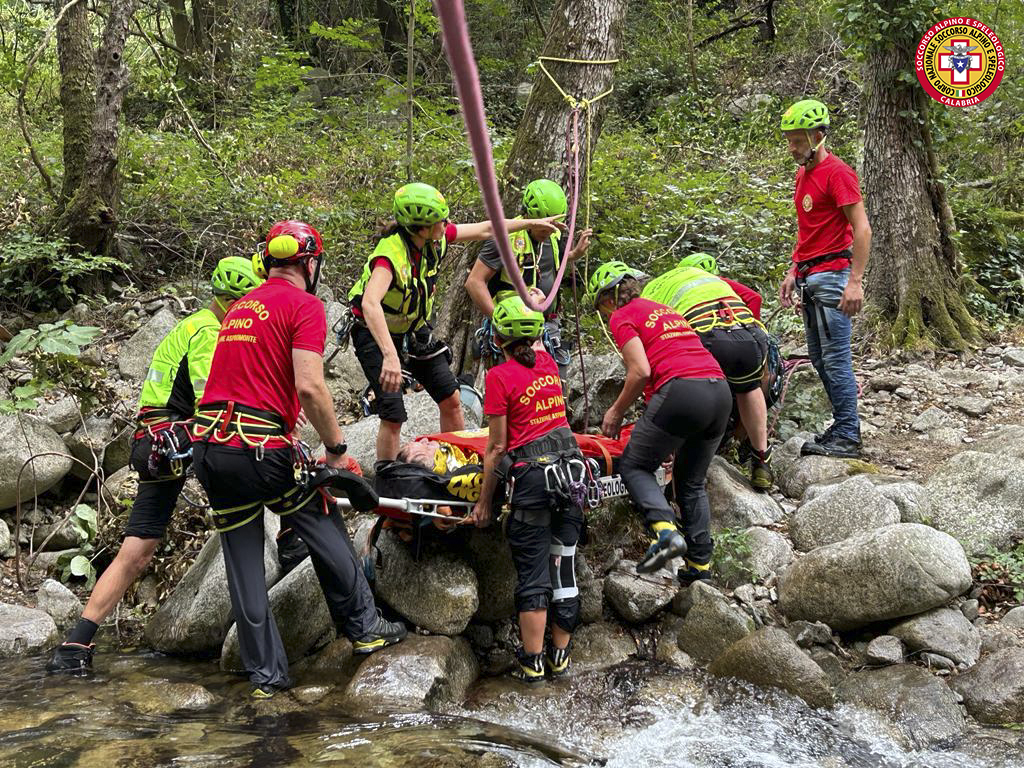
x=1001, y=574
x=52, y=353
x=78, y=563
x=992, y=244
x=731, y=558
x=357, y=34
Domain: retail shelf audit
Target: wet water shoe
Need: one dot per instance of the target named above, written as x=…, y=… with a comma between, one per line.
x=71, y=659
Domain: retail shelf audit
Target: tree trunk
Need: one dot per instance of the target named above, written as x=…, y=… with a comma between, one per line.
x=77, y=92
x=578, y=29
x=392, y=34
x=914, y=286
x=90, y=217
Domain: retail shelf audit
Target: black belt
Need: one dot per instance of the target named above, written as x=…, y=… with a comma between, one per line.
x=803, y=267
x=557, y=441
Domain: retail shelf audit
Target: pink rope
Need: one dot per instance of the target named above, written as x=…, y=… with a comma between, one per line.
x=459, y=49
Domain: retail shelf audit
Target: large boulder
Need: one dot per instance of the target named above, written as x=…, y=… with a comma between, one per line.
x=59, y=602
x=438, y=592
x=420, y=673
x=88, y=444
x=993, y=690
x=162, y=697
x=1007, y=440
x=810, y=470
x=712, y=623
x=196, y=616
x=137, y=352
x=840, y=511
x=25, y=631
x=604, y=374
x=770, y=552
x=22, y=437
x=600, y=645
x=889, y=573
x=910, y=498
x=300, y=612
x=734, y=504
x=920, y=709
x=770, y=657
x=491, y=559
x=60, y=415
x=976, y=497
x=943, y=631
x=637, y=597
x=7, y=547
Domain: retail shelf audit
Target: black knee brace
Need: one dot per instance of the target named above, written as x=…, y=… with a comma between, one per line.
x=565, y=598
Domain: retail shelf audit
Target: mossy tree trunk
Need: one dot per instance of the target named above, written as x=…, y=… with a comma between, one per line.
x=77, y=92
x=914, y=287
x=577, y=29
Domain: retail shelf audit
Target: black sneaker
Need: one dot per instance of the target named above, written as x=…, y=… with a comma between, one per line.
x=688, y=574
x=383, y=634
x=558, y=661
x=529, y=667
x=669, y=544
x=761, y=476
x=71, y=659
x=836, y=446
x=826, y=435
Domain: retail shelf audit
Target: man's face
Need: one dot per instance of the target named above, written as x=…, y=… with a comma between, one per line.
x=422, y=452
x=799, y=144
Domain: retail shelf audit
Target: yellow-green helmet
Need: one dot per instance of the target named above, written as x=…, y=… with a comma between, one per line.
x=419, y=205
x=608, y=275
x=700, y=260
x=234, y=277
x=543, y=198
x=805, y=115
x=512, y=319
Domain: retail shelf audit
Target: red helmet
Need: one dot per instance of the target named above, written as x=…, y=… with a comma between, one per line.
x=306, y=238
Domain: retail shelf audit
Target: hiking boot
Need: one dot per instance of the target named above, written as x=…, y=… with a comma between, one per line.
x=689, y=574
x=529, y=667
x=761, y=476
x=669, y=544
x=71, y=658
x=836, y=446
x=382, y=634
x=558, y=661
x=262, y=692
x=826, y=435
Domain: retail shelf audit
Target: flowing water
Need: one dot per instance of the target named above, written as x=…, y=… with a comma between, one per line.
x=633, y=716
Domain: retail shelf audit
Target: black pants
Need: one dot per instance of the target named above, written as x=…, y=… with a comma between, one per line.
x=543, y=540
x=238, y=487
x=686, y=417
x=159, y=491
x=741, y=352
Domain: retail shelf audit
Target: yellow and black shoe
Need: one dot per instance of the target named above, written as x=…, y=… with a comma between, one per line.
x=71, y=659
x=668, y=544
x=263, y=691
x=558, y=661
x=529, y=667
x=382, y=634
x=761, y=476
x=692, y=572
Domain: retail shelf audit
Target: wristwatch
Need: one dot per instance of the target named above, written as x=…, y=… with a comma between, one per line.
x=337, y=450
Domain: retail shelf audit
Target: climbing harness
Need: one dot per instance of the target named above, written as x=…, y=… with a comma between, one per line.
x=223, y=421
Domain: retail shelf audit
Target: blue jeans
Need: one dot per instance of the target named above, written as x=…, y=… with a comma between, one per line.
x=828, y=345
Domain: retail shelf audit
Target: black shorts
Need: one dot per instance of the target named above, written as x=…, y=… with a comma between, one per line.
x=433, y=373
x=158, y=493
x=741, y=352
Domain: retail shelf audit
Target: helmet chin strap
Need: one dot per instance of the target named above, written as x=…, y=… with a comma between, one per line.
x=312, y=283
x=220, y=304
x=813, y=150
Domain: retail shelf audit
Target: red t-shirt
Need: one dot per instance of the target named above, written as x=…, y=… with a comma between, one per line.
x=252, y=363
x=750, y=297
x=672, y=347
x=530, y=398
x=822, y=227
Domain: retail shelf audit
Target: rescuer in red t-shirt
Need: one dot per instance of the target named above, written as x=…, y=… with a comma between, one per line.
x=531, y=446
x=268, y=364
x=831, y=254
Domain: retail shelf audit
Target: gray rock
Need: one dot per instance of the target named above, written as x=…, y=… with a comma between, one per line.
x=604, y=381
x=910, y=498
x=770, y=552
x=971, y=609
x=491, y=560
x=906, y=393
x=61, y=536
x=770, y=658
x=335, y=663
x=591, y=600
x=743, y=105
x=196, y=615
x=843, y=510
x=807, y=633
x=808, y=470
x=25, y=631
x=885, y=382
x=921, y=709
x=734, y=504
x=930, y=419
x=1014, y=618
x=21, y=437
x=637, y=597
x=942, y=631
x=87, y=444
x=949, y=436
x=896, y=571
x=162, y=697
x=137, y=352
x=59, y=602
x=1014, y=356
x=300, y=612
x=968, y=378
x=972, y=405
x=1007, y=440
x=993, y=690
x=6, y=542
x=884, y=650
x=437, y=592
x=600, y=645
x=711, y=624
x=420, y=673
x=118, y=451
x=668, y=650
x=346, y=379
x=995, y=637
x=829, y=663
x=59, y=415
x=937, y=662
x=975, y=496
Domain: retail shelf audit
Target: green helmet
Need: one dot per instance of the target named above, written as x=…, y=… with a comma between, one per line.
x=543, y=198
x=805, y=115
x=419, y=205
x=700, y=260
x=512, y=319
x=608, y=275
x=234, y=277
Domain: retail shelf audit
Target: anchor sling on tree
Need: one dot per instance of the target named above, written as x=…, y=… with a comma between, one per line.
x=160, y=452
x=688, y=405
x=531, y=447
x=538, y=260
x=393, y=303
x=269, y=363
x=829, y=259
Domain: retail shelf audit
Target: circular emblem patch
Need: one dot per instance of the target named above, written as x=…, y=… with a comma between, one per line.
x=960, y=62
x=807, y=203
